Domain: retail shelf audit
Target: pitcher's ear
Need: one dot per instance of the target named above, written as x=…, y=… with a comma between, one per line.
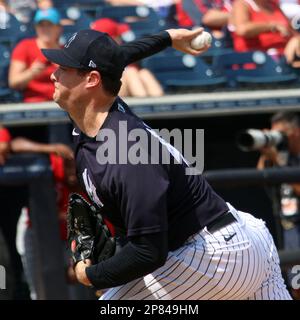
x=93, y=79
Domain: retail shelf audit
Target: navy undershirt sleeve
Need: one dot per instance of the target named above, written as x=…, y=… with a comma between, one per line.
x=145, y=47
x=139, y=257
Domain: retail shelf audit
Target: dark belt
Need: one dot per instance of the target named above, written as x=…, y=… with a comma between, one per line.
x=221, y=222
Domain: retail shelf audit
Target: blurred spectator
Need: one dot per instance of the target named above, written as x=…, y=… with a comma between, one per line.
x=261, y=25
x=149, y=3
x=213, y=14
x=289, y=124
x=5, y=139
x=3, y=5
x=21, y=144
x=5, y=262
x=44, y=4
x=10, y=211
x=4, y=9
x=182, y=17
x=47, y=4
x=136, y=82
x=29, y=70
x=64, y=173
x=63, y=166
x=65, y=181
x=22, y=9
x=158, y=5
x=165, y=9
x=170, y=10
x=291, y=8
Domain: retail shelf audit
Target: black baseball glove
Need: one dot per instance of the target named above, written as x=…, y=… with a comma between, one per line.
x=88, y=236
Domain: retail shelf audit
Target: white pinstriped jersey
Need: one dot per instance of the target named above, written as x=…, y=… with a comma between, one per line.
x=237, y=262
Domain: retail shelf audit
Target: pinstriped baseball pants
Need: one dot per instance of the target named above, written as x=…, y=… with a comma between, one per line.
x=237, y=262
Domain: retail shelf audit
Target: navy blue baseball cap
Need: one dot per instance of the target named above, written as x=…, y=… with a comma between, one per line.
x=87, y=50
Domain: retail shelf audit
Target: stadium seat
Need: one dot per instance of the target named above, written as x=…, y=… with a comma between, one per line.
x=193, y=11
x=141, y=19
x=75, y=14
x=63, y=3
x=80, y=21
x=183, y=71
x=4, y=65
x=11, y=30
x=87, y=6
x=254, y=67
x=89, y=2
x=6, y=94
x=220, y=45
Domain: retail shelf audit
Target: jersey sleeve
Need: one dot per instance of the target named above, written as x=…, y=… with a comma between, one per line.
x=142, y=194
x=145, y=47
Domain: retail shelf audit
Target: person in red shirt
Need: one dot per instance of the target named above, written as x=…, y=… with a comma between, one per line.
x=213, y=14
x=5, y=139
x=261, y=25
x=182, y=17
x=29, y=70
x=61, y=159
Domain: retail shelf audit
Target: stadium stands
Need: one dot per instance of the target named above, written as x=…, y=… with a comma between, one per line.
x=6, y=94
x=4, y=63
x=11, y=30
x=226, y=69
x=141, y=19
x=77, y=19
x=68, y=3
x=254, y=67
x=183, y=71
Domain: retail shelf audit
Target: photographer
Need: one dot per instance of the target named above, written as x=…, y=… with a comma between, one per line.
x=289, y=124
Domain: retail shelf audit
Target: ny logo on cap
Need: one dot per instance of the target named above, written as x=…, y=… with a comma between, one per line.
x=71, y=40
x=92, y=64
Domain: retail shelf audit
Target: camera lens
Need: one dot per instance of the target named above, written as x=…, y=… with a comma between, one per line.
x=254, y=139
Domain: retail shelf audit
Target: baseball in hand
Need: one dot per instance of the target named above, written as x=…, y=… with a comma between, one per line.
x=201, y=41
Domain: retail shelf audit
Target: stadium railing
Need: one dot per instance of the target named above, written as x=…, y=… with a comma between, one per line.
x=215, y=103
